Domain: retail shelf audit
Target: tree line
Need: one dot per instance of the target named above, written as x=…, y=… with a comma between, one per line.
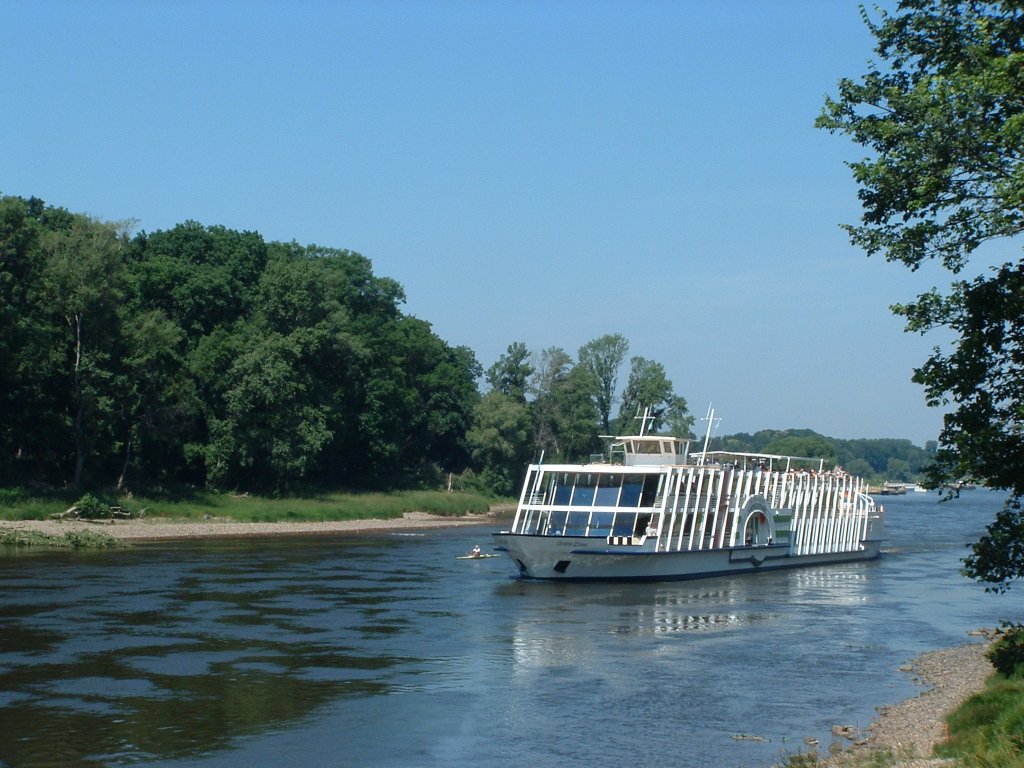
x=205, y=356
x=876, y=459
x=208, y=357
x=552, y=405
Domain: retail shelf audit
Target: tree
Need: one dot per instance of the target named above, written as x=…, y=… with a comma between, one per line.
x=82, y=277
x=602, y=358
x=577, y=418
x=272, y=433
x=201, y=277
x=648, y=387
x=510, y=375
x=564, y=417
x=550, y=370
x=943, y=121
x=808, y=446
x=500, y=441
x=26, y=418
x=157, y=402
x=860, y=468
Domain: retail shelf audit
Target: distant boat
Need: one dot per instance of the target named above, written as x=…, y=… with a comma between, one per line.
x=660, y=513
x=891, y=489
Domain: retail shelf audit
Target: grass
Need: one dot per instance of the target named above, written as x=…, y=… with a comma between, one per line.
x=24, y=504
x=987, y=730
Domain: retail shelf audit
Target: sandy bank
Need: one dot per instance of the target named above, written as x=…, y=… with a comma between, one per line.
x=156, y=529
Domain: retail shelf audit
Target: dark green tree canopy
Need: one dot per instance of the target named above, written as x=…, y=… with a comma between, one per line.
x=601, y=358
x=649, y=388
x=510, y=375
x=942, y=116
x=204, y=355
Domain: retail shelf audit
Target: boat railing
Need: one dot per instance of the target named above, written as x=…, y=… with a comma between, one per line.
x=767, y=461
x=536, y=498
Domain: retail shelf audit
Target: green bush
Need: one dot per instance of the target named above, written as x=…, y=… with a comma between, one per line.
x=1007, y=652
x=91, y=508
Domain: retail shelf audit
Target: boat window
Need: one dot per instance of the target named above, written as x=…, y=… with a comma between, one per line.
x=583, y=495
x=651, y=485
x=608, y=490
x=577, y=524
x=531, y=522
x=631, y=487
x=563, y=488
x=556, y=525
x=601, y=523
x=547, y=484
x=534, y=494
x=624, y=522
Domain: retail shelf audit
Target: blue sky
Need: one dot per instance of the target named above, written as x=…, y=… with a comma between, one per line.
x=545, y=172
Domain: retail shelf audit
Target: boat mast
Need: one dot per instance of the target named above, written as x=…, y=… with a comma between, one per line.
x=644, y=419
x=710, y=419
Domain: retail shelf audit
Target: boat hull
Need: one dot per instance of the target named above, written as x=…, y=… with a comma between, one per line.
x=571, y=558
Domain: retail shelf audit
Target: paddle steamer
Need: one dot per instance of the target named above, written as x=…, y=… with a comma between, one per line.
x=649, y=510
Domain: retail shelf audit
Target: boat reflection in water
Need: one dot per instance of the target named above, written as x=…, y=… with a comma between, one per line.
x=579, y=629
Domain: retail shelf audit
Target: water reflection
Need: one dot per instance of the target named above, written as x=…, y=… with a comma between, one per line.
x=727, y=604
x=129, y=663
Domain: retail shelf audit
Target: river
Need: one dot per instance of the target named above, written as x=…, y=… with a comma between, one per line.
x=386, y=651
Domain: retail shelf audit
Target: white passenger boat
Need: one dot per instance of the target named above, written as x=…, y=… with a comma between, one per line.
x=651, y=511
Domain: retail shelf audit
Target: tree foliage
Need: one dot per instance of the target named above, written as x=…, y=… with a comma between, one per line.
x=942, y=116
x=601, y=358
x=549, y=405
x=865, y=457
x=649, y=388
x=206, y=355
x=511, y=374
x=500, y=440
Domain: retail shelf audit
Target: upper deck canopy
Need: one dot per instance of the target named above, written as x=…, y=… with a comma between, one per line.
x=651, y=449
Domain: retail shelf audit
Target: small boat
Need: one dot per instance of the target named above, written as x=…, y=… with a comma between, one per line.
x=652, y=511
x=475, y=554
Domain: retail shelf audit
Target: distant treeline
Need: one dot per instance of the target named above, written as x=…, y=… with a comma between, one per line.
x=204, y=356
x=875, y=459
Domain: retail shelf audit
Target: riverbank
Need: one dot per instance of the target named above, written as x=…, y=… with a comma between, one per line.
x=907, y=732
x=166, y=529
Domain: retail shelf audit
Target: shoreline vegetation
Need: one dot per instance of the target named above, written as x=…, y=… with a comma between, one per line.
x=51, y=521
x=152, y=529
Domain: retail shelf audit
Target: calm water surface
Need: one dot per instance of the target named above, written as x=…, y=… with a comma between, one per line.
x=387, y=651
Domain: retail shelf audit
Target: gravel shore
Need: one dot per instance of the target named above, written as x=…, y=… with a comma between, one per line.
x=156, y=529
x=910, y=730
